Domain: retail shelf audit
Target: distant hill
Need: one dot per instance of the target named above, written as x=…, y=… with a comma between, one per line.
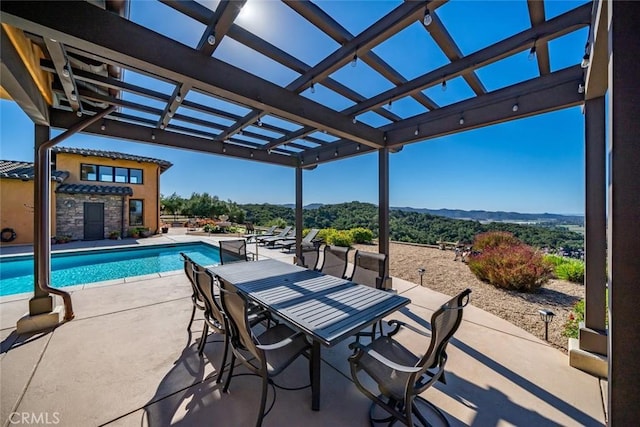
x=499, y=216
x=482, y=216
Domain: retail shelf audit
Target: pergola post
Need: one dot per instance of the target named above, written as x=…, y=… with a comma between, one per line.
x=299, y=223
x=383, y=208
x=41, y=302
x=624, y=213
x=593, y=335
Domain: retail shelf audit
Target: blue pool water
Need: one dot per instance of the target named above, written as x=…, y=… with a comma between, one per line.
x=67, y=269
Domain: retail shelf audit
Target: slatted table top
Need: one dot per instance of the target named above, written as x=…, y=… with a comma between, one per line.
x=324, y=307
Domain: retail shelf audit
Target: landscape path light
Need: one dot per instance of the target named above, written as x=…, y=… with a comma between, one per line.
x=547, y=317
x=421, y=273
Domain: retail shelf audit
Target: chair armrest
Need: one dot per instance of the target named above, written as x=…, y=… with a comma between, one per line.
x=253, y=255
x=400, y=323
x=279, y=344
x=380, y=358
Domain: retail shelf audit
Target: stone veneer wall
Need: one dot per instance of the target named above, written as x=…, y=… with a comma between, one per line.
x=70, y=219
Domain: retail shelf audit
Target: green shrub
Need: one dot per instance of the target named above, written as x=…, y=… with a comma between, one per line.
x=567, y=268
x=340, y=238
x=325, y=234
x=572, y=325
x=278, y=222
x=211, y=228
x=518, y=267
x=572, y=270
x=361, y=235
x=494, y=239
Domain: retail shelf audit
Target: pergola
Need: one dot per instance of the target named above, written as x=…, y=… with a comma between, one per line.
x=63, y=63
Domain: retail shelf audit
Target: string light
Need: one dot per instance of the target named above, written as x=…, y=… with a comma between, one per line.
x=461, y=121
x=532, y=53
x=211, y=39
x=259, y=123
x=417, y=131
x=515, y=107
x=153, y=136
x=444, y=85
x=428, y=19
x=354, y=61
x=103, y=126
x=313, y=88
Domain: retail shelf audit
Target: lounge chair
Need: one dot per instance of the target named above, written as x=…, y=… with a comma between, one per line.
x=284, y=234
x=308, y=240
x=266, y=354
x=196, y=298
x=252, y=236
x=400, y=375
x=234, y=250
x=335, y=261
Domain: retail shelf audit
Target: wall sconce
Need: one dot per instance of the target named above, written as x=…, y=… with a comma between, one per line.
x=547, y=317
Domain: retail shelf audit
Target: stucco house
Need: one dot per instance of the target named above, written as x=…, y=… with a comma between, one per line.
x=93, y=194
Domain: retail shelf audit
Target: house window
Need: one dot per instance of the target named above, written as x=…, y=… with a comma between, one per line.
x=135, y=212
x=88, y=172
x=105, y=173
x=122, y=175
x=135, y=176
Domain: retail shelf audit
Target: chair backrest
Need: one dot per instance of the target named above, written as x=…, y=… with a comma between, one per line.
x=369, y=269
x=249, y=227
x=310, y=257
x=233, y=250
x=335, y=260
x=271, y=229
x=310, y=236
x=188, y=271
x=285, y=231
x=235, y=307
x=206, y=285
x=444, y=323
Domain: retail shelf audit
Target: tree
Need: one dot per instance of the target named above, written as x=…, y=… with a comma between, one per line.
x=173, y=204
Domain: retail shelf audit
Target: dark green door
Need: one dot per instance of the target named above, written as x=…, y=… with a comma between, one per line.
x=93, y=221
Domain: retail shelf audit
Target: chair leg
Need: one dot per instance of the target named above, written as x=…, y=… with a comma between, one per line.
x=230, y=374
x=263, y=400
x=193, y=314
x=203, y=339
x=224, y=358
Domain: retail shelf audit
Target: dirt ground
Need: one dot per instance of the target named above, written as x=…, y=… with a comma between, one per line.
x=450, y=277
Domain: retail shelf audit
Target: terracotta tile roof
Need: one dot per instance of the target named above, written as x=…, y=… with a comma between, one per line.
x=25, y=171
x=164, y=165
x=95, y=189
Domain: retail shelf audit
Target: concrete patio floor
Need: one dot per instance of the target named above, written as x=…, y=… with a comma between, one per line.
x=128, y=360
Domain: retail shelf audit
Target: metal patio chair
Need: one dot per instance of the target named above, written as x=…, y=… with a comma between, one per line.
x=399, y=374
x=335, y=261
x=370, y=269
x=234, y=250
x=196, y=298
x=310, y=257
x=267, y=354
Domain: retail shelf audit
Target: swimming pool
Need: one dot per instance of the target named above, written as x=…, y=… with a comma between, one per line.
x=79, y=267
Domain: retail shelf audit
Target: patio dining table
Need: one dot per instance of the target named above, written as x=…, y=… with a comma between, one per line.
x=327, y=309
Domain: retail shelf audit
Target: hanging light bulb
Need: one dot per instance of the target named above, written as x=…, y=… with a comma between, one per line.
x=358, y=147
x=532, y=53
x=585, y=61
x=73, y=96
x=251, y=154
x=390, y=102
x=313, y=88
x=428, y=19
x=354, y=120
x=259, y=123
x=580, y=88
x=103, y=126
x=153, y=136
x=317, y=157
x=417, y=131
x=162, y=126
x=515, y=107
x=444, y=85
x=65, y=71
x=211, y=39
x=354, y=61
x=336, y=153
x=79, y=113
x=178, y=98
x=461, y=121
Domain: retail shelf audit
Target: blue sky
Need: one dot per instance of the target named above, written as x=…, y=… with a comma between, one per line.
x=529, y=165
